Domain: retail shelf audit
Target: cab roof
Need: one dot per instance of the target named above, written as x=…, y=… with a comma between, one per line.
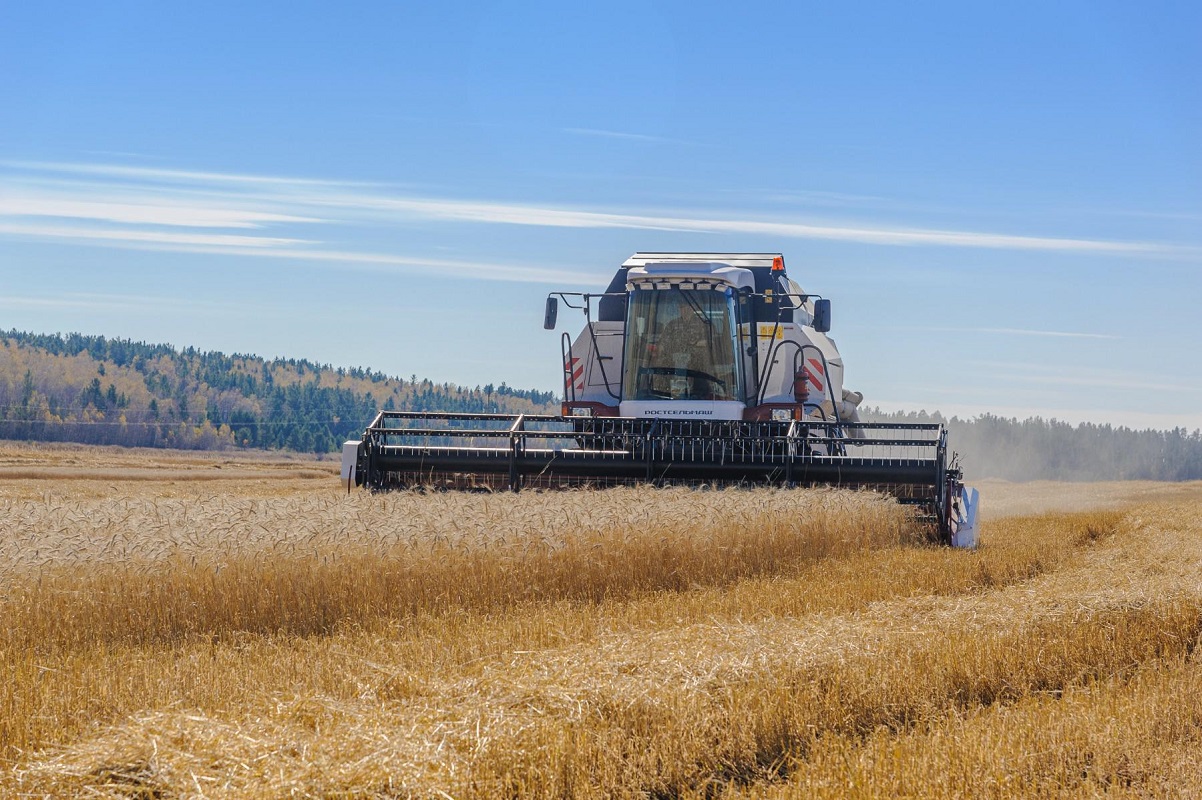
x=613, y=308
x=746, y=260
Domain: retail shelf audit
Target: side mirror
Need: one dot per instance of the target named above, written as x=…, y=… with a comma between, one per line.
x=551, y=314
x=822, y=315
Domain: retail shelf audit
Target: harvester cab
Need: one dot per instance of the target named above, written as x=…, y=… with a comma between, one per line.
x=704, y=336
x=710, y=368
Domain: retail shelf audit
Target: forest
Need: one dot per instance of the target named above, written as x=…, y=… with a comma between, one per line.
x=96, y=390
x=991, y=446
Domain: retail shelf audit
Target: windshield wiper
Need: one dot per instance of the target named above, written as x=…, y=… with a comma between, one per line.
x=697, y=309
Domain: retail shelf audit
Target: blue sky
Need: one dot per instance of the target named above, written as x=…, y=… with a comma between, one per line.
x=1003, y=202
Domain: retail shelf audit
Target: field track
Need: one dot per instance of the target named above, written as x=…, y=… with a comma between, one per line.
x=225, y=625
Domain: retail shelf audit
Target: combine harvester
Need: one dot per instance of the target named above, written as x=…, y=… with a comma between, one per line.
x=693, y=368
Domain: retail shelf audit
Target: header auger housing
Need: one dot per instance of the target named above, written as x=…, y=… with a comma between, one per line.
x=696, y=368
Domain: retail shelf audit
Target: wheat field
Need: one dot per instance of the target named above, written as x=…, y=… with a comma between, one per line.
x=198, y=625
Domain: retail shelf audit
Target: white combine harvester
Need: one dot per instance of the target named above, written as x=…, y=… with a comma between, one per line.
x=698, y=368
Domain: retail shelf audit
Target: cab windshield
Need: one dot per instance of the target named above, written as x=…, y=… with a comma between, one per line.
x=680, y=345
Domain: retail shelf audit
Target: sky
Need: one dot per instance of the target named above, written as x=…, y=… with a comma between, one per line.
x=1003, y=201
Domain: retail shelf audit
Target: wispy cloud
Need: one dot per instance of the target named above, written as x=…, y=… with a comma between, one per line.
x=1060, y=334
x=164, y=212
x=1132, y=213
x=1016, y=332
x=289, y=249
x=162, y=174
x=384, y=262
x=550, y=216
x=93, y=301
x=1121, y=383
x=257, y=215
x=65, y=302
x=1062, y=374
x=813, y=197
x=630, y=137
x=142, y=236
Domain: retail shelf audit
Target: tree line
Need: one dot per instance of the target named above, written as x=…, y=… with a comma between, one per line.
x=95, y=390
x=991, y=446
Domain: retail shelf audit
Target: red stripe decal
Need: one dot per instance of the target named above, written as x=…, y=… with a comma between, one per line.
x=815, y=375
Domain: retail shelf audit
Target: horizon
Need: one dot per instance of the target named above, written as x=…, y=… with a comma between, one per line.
x=413, y=378
x=1003, y=204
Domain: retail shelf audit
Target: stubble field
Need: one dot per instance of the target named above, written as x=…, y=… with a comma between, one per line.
x=180, y=625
